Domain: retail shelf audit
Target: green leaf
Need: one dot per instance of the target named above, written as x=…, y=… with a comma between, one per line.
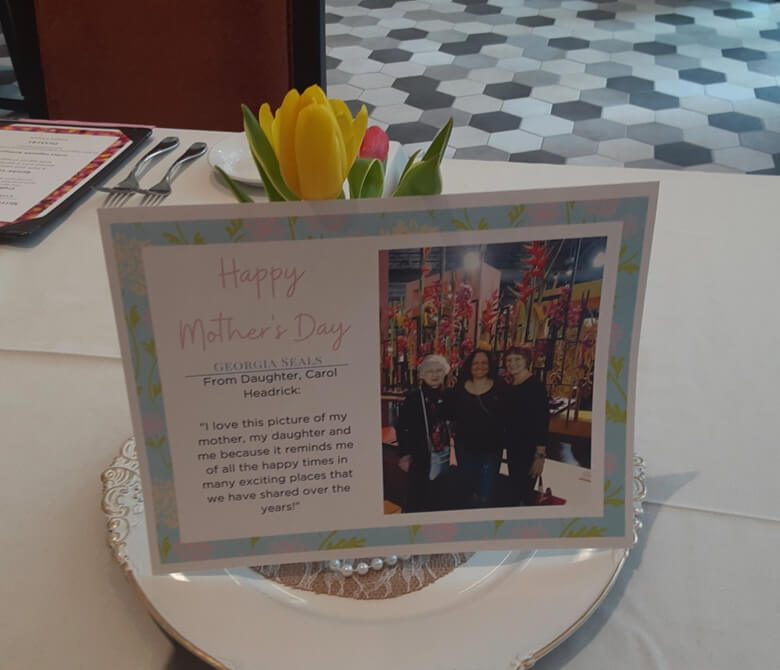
x=265, y=157
x=133, y=318
x=253, y=541
x=627, y=263
x=234, y=228
x=615, y=413
x=460, y=225
x=439, y=144
x=413, y=530
x=172, y=239
x=423, y=178
x=482, y=225
x=270, y=191
x=238, y=193
x=515, y=214
x=374, y=182
x=156, y=390
x=408, y=165
x=198, y=239
x=497, y=525
x=616, y=363
x=150, y=348
x=165, y=548
x=366, y=179
x=356, y=176
x=613, y=497
x=575, y=529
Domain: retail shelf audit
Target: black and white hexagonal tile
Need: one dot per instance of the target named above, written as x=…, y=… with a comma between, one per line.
x=665, y=84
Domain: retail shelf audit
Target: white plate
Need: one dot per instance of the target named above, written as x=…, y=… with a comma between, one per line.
x=524, y=604
x=232, y=155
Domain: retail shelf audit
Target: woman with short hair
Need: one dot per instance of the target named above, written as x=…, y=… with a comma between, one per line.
x=527, y=418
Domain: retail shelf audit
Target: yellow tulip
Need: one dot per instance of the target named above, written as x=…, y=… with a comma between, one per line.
x=315, y=140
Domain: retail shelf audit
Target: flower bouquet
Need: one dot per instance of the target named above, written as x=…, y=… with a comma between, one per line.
x=313, y=148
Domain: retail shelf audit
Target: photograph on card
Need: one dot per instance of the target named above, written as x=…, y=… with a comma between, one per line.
x=488, y=355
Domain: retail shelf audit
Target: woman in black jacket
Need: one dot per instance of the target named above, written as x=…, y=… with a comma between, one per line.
x=527, y=419
x=479, y=434
x=423, y=436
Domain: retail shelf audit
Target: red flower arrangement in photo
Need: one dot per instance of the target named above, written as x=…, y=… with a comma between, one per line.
x=555, y=313
x=463, y=296
x=537, y=259
x=489, y=316
x=466, y=347
x=524, y=289
x=432, y=294
x=575, y=315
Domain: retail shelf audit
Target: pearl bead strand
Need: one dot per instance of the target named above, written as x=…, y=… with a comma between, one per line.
x=348, y=568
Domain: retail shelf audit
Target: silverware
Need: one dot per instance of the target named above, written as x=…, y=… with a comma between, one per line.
x=157, y=193
x=119, y=194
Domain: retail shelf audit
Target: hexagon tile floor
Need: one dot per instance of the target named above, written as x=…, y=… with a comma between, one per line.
x=684, y=84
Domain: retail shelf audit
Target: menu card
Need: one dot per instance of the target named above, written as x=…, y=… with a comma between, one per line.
x=41, y=165
x=348, y=379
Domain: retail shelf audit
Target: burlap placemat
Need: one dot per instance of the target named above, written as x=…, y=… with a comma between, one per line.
x=406, y=576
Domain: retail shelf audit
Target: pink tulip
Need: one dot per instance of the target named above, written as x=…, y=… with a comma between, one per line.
x=376, y=144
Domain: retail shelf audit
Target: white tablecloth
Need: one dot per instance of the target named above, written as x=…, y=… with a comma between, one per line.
x=701, y=590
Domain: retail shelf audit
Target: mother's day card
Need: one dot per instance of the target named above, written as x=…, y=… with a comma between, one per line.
x=345, y=379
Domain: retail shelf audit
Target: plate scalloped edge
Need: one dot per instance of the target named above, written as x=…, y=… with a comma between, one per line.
x=123, y=499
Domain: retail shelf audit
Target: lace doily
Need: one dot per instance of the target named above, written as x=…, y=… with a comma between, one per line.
x=406, y=576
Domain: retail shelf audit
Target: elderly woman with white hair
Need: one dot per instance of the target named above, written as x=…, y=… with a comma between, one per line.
x=423, y=433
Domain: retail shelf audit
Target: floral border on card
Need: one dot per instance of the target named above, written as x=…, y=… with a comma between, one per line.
x=632, y=206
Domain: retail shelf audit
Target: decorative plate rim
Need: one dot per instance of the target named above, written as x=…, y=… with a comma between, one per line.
x=122, y=499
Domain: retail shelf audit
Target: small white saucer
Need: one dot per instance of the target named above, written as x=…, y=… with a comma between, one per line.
x=233, y=156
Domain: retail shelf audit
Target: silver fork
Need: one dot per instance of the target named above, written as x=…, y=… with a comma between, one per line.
x=161, y=190
x=119, y=194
